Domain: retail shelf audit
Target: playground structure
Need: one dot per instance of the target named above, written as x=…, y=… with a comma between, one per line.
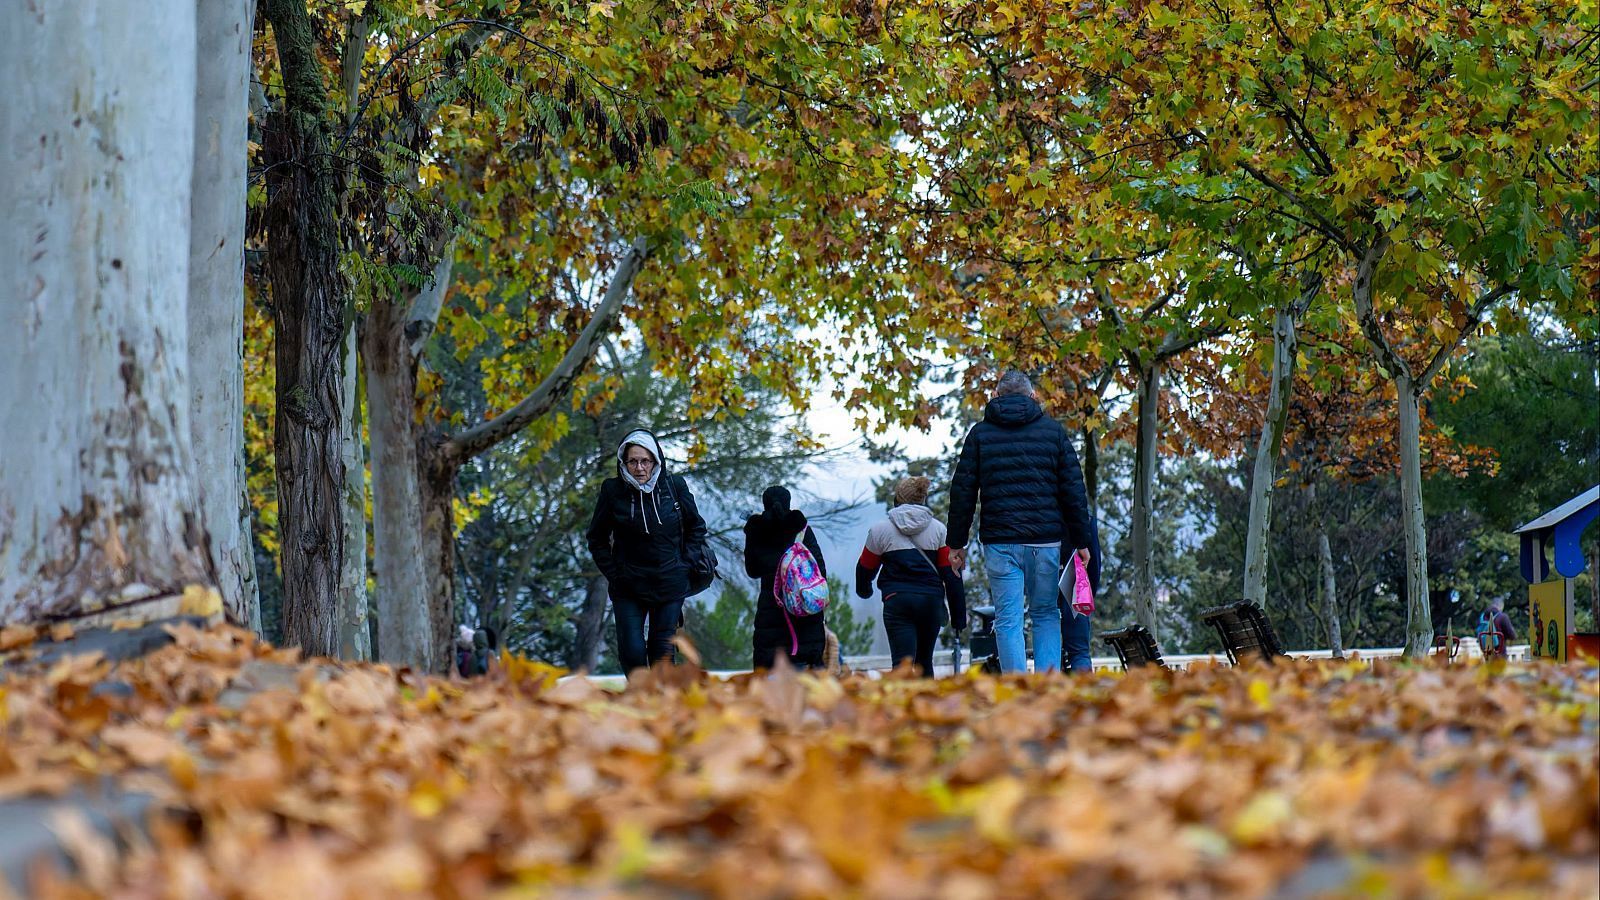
x=1551, y=600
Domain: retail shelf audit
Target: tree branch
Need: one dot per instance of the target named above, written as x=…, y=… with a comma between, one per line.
x=1448, y=349
x=1366, y=272
x=423, y=315
x=1323, y=225
x=554, y=387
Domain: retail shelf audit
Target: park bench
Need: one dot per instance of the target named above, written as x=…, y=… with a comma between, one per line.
x=1135, y=646
x=1244, y=630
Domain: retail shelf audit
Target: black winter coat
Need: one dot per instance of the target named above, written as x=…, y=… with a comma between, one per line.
x=638, y=540
x=765, y=542
x=1022, y=464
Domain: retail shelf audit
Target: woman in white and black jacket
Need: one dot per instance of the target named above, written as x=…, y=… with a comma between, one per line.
x=643, y=525
x=907, y=555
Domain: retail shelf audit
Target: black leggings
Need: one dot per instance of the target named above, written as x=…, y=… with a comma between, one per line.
x=633, y=616
x=912, y=621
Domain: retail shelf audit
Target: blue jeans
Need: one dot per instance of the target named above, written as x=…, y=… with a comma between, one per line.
x=1019, y=573
x=1076, y=630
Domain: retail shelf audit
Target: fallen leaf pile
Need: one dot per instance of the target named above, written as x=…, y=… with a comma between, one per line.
x=276, y=778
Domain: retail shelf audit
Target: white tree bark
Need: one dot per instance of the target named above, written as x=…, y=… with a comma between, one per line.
x=99, y=506
x=216, y=297
x=1144, y=488
x=1258, y=530
x=1419, y=615
x=355, y=639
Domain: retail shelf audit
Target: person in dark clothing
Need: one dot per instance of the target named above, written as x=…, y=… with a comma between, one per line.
x=1077, y=629
x=1023, y=466
x=906, y=553
x=643, y=524
x=767, y=536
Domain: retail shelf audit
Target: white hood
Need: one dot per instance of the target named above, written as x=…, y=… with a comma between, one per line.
x=648, y=441
x=911, y=519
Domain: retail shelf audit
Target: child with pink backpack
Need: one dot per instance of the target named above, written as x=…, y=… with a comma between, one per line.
x=781, y=550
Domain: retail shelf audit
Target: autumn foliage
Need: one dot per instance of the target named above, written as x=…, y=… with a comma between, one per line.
x=288, y=779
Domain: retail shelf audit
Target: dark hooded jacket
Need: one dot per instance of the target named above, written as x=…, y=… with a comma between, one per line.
x=638, y=539
x=1022, y=464
x=767, y=536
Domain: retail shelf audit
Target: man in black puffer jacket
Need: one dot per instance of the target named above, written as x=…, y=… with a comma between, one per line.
x=1021, y=464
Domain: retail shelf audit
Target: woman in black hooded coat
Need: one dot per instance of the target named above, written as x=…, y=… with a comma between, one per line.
x=767, y=535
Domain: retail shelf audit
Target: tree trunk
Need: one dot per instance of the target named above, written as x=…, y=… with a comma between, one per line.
x=437, y=478
x=1419, y=617
x=355, y=640
x=591, y=622
x=1330, y=594
x=1144, y=488
x=216, y=298
x=405, y=636
x=1091, y=468
x=1258, y=531
x=310, y=297
x=99, y=495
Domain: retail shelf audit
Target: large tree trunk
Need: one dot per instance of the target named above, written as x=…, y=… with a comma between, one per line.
x=99, y=501
x=355, y=635
x=591, y=622
x=310, y=297
x=216, y=298
x=1419, y=616
x=437, y=478
x=405, y=635
x=1258, y=531
x=1330, y=594
x=1144, y=488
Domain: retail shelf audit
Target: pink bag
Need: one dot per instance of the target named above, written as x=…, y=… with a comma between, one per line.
x=1083, y=595
x=1078, y=582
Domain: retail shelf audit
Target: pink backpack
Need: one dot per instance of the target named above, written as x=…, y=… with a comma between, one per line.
x=799, y=586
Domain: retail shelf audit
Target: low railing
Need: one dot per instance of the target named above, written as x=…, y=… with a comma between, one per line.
x=879, y=664
x=1470, y=652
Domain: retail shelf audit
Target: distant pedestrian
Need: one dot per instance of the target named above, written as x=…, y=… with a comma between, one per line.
x=767, y=536
x=1022, y=465
x=907, y=555
x=1494, y=630
x=644, y=531
x=464, y=636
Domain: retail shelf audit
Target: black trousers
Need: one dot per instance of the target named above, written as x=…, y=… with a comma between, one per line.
x=635, y=620
x=912, y=621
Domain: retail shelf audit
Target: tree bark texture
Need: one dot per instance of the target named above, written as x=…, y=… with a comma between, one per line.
x=310, y=297
x=216, y=298
x=1419, y=616
x=1091, y=468
x=437, y=480
x=99, y=502
x=1330, y=595
x=405, y=635
x=1258, y=532
x=1144, y=488
x=355, y=636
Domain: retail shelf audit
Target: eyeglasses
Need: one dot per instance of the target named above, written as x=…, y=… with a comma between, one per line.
x=640, y=463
